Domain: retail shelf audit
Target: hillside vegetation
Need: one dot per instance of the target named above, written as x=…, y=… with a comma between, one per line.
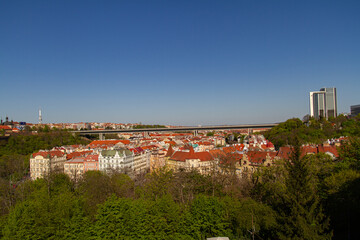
x=313, y=197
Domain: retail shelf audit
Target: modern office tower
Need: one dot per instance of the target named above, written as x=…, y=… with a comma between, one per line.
x=355, y=110
x=323, y=103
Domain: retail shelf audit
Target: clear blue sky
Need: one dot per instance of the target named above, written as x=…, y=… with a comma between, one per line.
x=175, y=62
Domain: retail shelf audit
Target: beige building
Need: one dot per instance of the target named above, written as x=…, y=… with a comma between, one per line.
x=252, y=160
x=187, y=160
x=157, y=159
x=74, y=168
x=43, y=162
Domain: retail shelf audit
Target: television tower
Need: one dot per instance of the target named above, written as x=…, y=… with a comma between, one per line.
x=40, y=117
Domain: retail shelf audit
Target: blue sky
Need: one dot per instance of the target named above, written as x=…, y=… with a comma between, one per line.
x=175, y=62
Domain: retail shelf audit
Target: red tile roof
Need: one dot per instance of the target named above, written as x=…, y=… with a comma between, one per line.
x=285, y=152
x=77, y=154
x=331, y=149
x=258, y=157
x=170, y=142
x=183, y=156
x=92, y=158
x=45, y=154
x=99, y=143
x=169, y=152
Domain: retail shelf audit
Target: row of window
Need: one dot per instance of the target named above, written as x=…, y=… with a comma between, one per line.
x=39, y=160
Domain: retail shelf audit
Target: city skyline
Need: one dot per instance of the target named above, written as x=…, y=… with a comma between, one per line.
x=175, y=63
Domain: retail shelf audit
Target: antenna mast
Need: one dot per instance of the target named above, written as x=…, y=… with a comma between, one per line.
x=40, y=117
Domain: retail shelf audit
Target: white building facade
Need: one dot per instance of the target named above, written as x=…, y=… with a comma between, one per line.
x=124, y=160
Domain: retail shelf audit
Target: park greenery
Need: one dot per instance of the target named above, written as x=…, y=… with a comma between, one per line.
x=15, y=151
x=310, y=197
x=313, y=131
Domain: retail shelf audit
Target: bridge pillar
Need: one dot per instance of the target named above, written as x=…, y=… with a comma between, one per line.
x=196, y=133
x=101, y=136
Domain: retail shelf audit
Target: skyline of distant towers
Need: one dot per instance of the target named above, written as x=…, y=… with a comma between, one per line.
x=40, y=117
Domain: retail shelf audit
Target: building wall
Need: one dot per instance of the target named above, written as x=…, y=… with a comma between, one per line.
x=74, y=170
x=323, y=103
x=157, y=160
x=117, y=161
x=189, y=164
x=40, y=166
x=91, y=166
x=121, y=161
x=142, y=162
x=355, y=110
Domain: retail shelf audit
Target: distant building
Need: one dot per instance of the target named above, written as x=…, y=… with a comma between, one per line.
x=323, y=103
x=355, y=110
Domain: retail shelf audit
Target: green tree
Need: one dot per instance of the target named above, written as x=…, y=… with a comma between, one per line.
x=207, y=217
x=300, y=212
x=45, y=216
x=121, y=218
x=210, y=134
x=95, y=188
x=349, y=153
x=251, y=218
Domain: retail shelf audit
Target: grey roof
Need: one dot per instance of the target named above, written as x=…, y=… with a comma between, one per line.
x=111, y=153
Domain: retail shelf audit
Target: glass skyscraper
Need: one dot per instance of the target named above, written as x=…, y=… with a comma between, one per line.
x=323, y=103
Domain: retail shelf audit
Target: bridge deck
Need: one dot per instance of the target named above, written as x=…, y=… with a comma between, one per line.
x=224, y=127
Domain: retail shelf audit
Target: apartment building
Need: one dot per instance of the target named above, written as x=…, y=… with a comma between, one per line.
x=187, y=160
x=42, y=162
x=74, y=168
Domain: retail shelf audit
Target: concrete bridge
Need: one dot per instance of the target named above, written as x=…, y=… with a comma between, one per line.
x=175, y=129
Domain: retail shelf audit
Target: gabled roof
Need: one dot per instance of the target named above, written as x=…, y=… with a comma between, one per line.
x=169, y=152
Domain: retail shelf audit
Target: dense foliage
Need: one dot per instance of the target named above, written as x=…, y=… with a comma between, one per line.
x=27, y=142
x=15, y=152
x=313, y=131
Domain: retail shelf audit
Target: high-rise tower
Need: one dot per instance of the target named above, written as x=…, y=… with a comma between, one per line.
x=40, y=117
x=323, y=103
